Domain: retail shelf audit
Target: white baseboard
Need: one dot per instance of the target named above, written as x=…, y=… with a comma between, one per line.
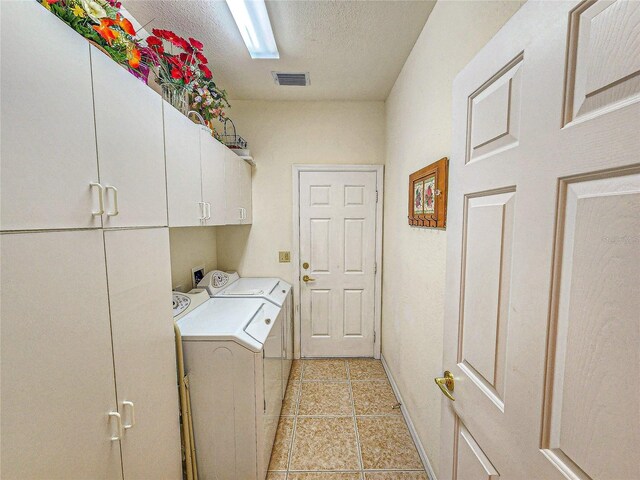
x=423, y=455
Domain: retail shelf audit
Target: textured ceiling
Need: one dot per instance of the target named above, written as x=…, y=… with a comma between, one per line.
x=353, y=50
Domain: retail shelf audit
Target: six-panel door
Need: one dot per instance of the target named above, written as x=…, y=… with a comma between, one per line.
x=541, y=320
x=139, y=276
x=338, y=244
x=48, y=136
x=57, y=363
x=128, y=119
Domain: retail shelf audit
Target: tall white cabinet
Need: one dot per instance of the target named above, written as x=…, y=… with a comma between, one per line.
x=238, y=196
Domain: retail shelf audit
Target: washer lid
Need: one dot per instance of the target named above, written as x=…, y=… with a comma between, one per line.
x=273, y=289
x=244, y=322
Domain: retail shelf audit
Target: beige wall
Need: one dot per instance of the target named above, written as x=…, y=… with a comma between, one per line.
x=280, y=135
x=191, y=247
x=418, y=132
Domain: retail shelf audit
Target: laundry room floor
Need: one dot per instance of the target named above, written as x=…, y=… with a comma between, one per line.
x=338, y=422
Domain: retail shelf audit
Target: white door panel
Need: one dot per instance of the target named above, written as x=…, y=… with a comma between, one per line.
x=130, y=146
x=233, y=188
x=184, y=179
x=57, y=364
x=214, y=186
x=48, y=138
x=144, y=351
x=337, y=240
x=542, y=261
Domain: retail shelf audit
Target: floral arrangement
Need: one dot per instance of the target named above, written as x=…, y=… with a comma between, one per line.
x=100, y=22
x=185, y=76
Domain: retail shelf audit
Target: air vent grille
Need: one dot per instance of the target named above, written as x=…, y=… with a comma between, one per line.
x=291, y=79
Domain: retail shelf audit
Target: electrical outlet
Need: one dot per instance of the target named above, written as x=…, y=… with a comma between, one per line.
x=285, y=257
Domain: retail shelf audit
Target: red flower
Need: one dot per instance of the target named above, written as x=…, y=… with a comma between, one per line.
x=196, y=44
x=153, y=41
x=201, y=58
x=175, y=73
x=205, y=71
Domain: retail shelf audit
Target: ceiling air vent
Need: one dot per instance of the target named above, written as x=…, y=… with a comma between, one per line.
x=291, y=79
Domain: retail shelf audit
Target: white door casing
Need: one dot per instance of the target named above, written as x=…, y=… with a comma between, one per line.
x=48, y=139
x=338, y=240
x=542, y=298
x=139, y=278
x=57, y=364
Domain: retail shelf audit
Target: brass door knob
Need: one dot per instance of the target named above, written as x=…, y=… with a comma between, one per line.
x=307, y=278
x=446, y=384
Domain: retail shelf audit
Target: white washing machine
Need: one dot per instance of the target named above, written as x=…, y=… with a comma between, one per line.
x=233, y=356
x=221, y=284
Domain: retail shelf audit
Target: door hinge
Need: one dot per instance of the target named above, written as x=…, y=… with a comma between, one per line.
x=376, y=196
x=375, y=267
x=265, y=405
x=374, y=336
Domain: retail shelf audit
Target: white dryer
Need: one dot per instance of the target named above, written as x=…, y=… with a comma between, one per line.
x=221, y=284
x=233, y=355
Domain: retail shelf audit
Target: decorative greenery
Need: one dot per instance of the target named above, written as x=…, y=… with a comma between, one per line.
x=100, y=22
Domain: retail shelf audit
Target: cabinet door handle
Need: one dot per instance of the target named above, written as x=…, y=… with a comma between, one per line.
x=202, y=210
x=120, y=432
x=100, y=199
x=208, y=210
x=132, y=414
x=115, y=210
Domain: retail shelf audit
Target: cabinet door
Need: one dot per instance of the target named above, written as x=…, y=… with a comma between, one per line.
x=130, y=145
x=48, y=137
x=139, y=279
x=233, y=192
x=182, y=150
x=245, y=191
x=213, y=177
x=57, y=364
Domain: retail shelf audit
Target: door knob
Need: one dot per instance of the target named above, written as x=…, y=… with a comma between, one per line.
x=307, y=278
x=446, y=384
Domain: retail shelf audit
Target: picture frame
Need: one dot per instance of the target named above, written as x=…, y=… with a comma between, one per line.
x=428, y=195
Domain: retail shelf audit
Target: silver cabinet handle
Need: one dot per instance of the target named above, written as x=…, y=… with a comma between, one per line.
x=118, y=418
x=115, y=210
x=100, y=199
x=132, y=414
x=202, y=210
x=240, y=209
x=208, y=210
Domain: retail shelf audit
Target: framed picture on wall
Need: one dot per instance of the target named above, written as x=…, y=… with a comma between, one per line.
x=428, y=195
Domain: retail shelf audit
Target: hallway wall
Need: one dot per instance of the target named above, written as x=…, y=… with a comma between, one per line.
x=418, y=132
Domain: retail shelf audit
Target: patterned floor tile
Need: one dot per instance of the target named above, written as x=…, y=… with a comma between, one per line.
x=325, y=476
x=280, y=452
x=324, y=370
x=291, y=399
x=396, y=476
x=324, y=443
x=366, y=369
x=322, y=398
x=374, y=398
x=387, y=444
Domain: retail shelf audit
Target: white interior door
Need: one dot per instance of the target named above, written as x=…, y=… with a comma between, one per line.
x=214, y=185
x=130, y=146
x=182, y=151
x=139, y=276
x=337, y=253
x=48, y=138
x=543, y=266
x=57, y=363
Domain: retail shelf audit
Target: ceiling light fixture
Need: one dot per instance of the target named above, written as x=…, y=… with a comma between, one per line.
x=253, y=22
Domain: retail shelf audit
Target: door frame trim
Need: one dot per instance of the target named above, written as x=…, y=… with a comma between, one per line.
x=296, y=169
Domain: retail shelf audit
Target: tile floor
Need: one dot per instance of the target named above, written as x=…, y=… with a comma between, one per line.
x=338, y=423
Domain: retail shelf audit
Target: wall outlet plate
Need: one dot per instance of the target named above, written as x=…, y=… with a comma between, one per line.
x=197, y=273
x=284, y=257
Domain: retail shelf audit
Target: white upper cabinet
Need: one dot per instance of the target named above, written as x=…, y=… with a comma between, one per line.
x=48, y=136
x=184, y=178
x=130, y=142
x=213, y=178
x=139, y=277
x=238, y=194
x=57, y=364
